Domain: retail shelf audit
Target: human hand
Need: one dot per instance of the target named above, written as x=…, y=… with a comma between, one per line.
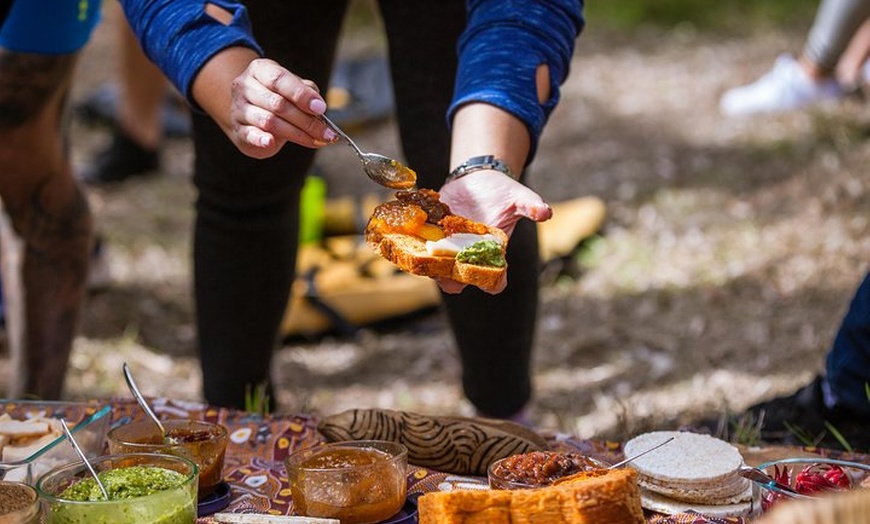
x=271, y=106
x=492, y=198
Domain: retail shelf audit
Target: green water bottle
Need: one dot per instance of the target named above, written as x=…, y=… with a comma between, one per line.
x=311, y=209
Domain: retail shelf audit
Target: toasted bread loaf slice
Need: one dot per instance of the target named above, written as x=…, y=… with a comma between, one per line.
x=410, y=254
x=594, y=497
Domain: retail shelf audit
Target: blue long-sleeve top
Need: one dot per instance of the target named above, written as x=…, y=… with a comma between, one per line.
x=503, y=44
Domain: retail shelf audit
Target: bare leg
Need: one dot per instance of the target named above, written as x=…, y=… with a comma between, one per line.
x=849, y=68
x=47, y=210
x=142, y=88
x=834, y=26
x=136, y=137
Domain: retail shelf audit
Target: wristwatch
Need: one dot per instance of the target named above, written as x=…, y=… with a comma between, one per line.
x=477, y=163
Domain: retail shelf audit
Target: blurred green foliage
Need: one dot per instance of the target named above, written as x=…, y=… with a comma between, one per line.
x=712, y=15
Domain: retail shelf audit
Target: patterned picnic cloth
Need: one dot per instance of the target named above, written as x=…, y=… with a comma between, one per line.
x=254, y=466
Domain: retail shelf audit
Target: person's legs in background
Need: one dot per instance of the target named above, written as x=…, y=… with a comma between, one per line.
x=853, y=70
x=247, y=222
x=838, y=401
x=47, y=210
x=138, y=131
x=494, y=333
x=811, y=78
x=848, y=363
x=836, y=25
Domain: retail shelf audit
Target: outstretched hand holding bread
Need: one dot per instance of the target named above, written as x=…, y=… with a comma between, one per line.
x=424, y=232
x=420, y=234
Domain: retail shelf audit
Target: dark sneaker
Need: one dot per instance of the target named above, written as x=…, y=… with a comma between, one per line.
x=99, y=272
x=101, y=108
x=802, y=418
x=123, y=159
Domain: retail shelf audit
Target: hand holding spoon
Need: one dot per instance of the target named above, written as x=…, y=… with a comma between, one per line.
x=383, y=170
x=82, y=456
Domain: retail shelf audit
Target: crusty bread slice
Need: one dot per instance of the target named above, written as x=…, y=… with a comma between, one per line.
x=409, y=253
x=592, y=497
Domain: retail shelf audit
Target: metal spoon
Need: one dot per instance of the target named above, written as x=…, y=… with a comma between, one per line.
x=642, y=453
x=383, y=170
x=759, y=476
x=82, y=456
x=141, y=400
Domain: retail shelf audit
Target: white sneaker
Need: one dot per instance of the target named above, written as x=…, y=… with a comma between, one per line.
x=783, y=88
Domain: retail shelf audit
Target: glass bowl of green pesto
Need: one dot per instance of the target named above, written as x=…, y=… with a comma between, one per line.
x=143, y=488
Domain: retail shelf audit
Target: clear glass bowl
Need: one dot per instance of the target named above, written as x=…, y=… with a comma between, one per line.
x=357, y=482
x=525, y=471
x=25, y=500
x=763, y=495
x=176, y=505
x=202, y=442
x=88, y=422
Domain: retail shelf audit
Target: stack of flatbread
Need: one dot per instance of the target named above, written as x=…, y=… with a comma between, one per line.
x=694, y=472
x=19, y=439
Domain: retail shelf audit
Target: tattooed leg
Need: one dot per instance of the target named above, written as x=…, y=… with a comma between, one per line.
x=47, y=210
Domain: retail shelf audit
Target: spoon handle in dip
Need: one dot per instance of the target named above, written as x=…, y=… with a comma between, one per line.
x=82, y=456
x=642, y=453
x=141, y=400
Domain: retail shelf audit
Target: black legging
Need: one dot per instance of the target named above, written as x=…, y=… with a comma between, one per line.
x=247, y=211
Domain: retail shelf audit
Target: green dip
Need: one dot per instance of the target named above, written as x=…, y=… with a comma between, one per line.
x=170, y=498
x=124, y=483
x=483, y=253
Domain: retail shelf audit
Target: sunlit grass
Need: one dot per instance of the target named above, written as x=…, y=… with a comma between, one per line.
x=734, y=15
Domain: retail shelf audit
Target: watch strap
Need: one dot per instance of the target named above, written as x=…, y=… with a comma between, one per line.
x=478, y=163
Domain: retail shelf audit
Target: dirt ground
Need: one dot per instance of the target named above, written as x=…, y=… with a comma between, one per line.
x=730, y=252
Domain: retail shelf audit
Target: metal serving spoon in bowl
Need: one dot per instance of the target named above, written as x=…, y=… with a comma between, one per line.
x=383, y=170
x=84, y=458
x=141, y=400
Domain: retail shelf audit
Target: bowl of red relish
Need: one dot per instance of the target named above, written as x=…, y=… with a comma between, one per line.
x=537, y=469
x=204, y=443
x=806, y=477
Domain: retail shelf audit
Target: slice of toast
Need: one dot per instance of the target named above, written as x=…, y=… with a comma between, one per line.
x=593, y=497
x=409, y=253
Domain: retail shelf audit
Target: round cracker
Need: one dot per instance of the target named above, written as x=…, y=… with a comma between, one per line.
x=689, y=459
x=735, y=490
x=661, y=504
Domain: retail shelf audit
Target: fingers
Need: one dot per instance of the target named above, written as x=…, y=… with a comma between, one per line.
x=535, y=209
x=302, y=94
x=494, y=199
x=453, y=287
x=527, y=203
x=499, y=287
x=272, y=106
x=450, y=286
